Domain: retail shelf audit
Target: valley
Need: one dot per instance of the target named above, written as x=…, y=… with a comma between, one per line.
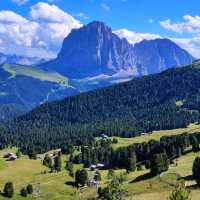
x=96, y=111
x=56, y=185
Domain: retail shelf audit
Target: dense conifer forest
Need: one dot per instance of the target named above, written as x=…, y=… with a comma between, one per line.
x=167, y=100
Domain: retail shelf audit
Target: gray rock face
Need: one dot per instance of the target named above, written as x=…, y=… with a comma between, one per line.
x=154, y=56
x=93, y=50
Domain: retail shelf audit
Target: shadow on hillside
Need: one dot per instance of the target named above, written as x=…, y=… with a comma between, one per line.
x=142, y=178
x=188, y=178
x=70, y=183
x=193, y=187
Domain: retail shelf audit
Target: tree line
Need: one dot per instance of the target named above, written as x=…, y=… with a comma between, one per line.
x=154, y=155
x=126, y=110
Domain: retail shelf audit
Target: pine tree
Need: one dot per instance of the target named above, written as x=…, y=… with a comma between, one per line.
x=24, y=192
x=29, y=189
x=159, y=163
x=131, y=164
x=196, y=170
x=81, y=177
x=9, y=189
x=58, y=163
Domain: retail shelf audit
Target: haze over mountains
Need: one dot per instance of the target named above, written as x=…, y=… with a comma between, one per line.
x=23, y=60
x=91, y=57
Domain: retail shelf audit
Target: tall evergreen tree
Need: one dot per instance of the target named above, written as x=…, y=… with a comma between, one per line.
x=58, y=163
x=81, y=177
x=159, y=163
x=24, y=192
x=9, y=189
x=196, y=170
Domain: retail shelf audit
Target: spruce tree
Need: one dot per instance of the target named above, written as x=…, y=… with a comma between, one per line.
x=9, y=189
x=81, y=177
x=29, y=189
x=58, y=163
x=23, y=192
x=196, y=170
x=131, y=164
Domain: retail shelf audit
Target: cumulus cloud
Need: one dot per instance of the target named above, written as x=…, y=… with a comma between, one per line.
x=41, y=34
x=134, y=37
x=191, y=24
x=190, y=44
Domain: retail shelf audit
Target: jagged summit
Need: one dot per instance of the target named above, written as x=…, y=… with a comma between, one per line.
x=94, y=49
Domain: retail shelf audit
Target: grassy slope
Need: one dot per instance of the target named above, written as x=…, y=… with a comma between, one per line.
x=24, y=171
x=15, y=70
x=155, y=136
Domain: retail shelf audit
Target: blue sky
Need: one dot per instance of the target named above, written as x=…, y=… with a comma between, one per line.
x=140, y=19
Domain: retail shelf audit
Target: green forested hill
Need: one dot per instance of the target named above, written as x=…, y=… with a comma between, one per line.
x=167, y=100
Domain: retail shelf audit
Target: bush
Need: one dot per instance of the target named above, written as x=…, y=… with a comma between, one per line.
x=180, y=193
x=29, y=189
x=23, y=192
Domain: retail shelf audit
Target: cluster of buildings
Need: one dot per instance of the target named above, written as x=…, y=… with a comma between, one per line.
x=10, y=157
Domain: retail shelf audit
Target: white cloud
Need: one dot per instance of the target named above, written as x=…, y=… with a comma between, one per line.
x=20, y=2
x=41, y=35
x=134, y=37
x=191, y=24
x=105, y=6
x=8, y=17
x=190, y=44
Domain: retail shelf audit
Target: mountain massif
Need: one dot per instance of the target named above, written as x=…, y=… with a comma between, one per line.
x=94, y=49
x=91, y=57
x=167, y=100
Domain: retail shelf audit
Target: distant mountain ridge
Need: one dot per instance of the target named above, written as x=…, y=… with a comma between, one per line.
x=154, y=56
x=94, y=49
x=23, y=60
x=91, y=57
x=167, y=100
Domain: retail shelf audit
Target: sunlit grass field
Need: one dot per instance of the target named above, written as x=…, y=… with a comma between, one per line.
x=15, y=70
x=56, y=186
x=156, y=135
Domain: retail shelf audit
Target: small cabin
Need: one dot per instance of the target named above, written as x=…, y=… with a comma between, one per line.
x=100, y=165
x=12, y=158
x=97, y=166
x=93, y=167
x=92, y=183
x=8, y=155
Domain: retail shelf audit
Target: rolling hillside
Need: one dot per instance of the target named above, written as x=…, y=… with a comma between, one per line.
x=163, y=101
x=23, y=88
